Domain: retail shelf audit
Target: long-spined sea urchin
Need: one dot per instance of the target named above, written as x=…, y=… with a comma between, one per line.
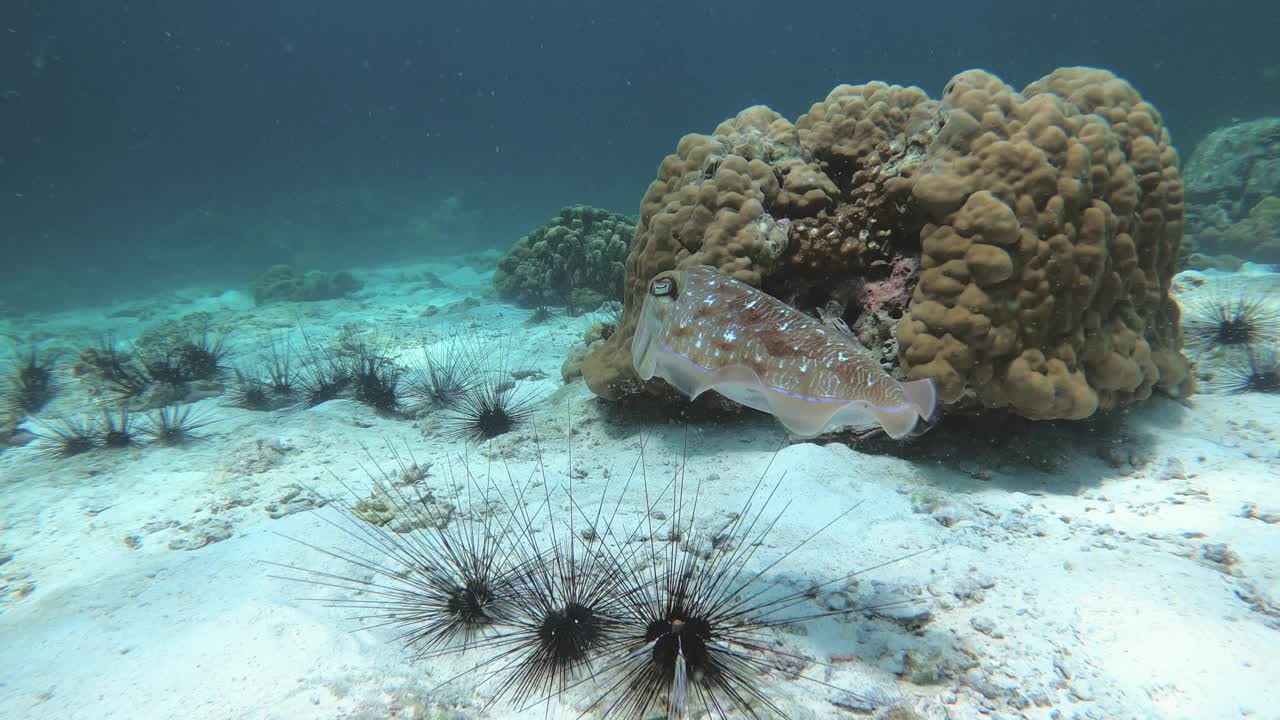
x=494, y=403
x=30, y=383
x=73, y=437
x=1256, y=371
x=440, y=575
x=1231, y=319
x=174, y=425
x=444, y=376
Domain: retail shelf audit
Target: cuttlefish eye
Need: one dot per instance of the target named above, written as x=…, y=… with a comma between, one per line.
x=661, y=287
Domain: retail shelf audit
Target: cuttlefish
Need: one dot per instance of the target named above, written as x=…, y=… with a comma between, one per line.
x=701, y=330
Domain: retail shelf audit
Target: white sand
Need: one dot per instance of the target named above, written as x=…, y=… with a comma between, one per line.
x=1059, y=587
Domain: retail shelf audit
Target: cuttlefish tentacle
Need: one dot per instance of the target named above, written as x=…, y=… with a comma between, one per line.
x=701, y=330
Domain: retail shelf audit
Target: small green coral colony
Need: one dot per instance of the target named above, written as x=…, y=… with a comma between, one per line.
x=575, y=260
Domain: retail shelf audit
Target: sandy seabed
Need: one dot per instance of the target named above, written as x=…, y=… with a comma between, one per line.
x=1121, y=569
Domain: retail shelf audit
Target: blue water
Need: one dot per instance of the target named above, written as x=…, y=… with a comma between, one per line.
x=255, y=316
x=154, y=144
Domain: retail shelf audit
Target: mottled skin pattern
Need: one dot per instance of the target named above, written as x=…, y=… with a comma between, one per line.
x=717, y=322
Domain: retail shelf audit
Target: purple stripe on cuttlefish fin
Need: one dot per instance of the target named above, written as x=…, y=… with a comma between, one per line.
x=775, y=388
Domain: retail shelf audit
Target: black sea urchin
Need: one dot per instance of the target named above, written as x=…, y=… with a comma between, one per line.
x=174, y=425
x=173, y=364
x=434, y=567
x=569, y=599
x=200, y=357
x=444, y=376
x=1257, y=371
x=30, y=384
x=539, y=315
x=284, y=388
x=326, y=377
x=701, y=637
x=602, y=324
x=74, y=437
x=251, y=392
x=493, y=405
x=272, y=386
x=119, y=432
x=118, y=370
x=376, y=382
x=164, y=367
x=1232, y=319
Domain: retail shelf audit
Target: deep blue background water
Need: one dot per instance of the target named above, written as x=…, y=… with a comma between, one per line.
x=159, y=142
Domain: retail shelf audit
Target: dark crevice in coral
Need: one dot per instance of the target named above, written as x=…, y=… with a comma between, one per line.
x=855, y=269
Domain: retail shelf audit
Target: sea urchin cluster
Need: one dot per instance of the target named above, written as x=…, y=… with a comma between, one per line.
x=1238, y=332
x=550, y=596
x=169, y=426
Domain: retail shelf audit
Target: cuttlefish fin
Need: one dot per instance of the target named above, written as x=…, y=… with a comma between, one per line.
x=742, y=385
x=923, y=394
x=801, y=418
x=900, y=420
x=897, y=422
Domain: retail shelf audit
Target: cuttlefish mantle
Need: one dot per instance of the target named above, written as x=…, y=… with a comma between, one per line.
x=701, y=330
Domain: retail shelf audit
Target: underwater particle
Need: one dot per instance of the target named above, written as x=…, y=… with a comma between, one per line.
x=493, y=405
x=1231, y=319
x=174, y=425
x=119, y=432
x=73, y=437
x=444, y=582
x=1257, y=372
x=443, y=377
x=31, y=384
x=376, y=382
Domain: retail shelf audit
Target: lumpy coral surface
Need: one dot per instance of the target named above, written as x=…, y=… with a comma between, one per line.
x=575, y=259
x=1040, y=229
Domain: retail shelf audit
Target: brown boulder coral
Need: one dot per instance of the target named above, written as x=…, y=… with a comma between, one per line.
x=1039, y=229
